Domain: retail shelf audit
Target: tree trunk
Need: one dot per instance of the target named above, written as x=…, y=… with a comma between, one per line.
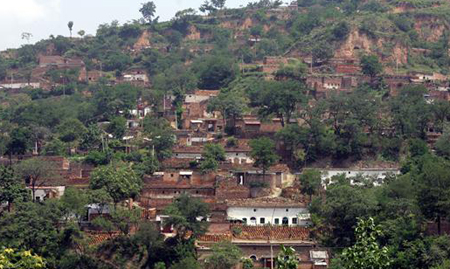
x=439, y=224
x=33, y=191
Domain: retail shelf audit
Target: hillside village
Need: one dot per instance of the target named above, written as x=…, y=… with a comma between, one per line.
x=168, y=144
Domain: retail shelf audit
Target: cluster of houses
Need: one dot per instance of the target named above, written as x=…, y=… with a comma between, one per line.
x=39, y=75
x=255, y=211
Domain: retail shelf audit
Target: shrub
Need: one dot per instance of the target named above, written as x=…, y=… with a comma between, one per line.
x=236, y=230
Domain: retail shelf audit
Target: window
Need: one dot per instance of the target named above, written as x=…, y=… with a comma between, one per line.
x=171, y=175
x=287, y=209
x=277, y=221
x=262, y=220
x=294, y=221
x=285, y=221
x=244, y=220
x=254, y=210
x=253, y=258
x=253, y=220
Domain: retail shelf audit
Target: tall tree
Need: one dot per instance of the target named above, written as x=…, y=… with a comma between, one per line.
x=70, y=131
x=36, y=173
x=188, y=215
x=148, y=11
x=280, y=98
x=224, y=255
x=410, y=113
x=371, y=66
x=310, y=181
x=366, y=253
x=337, y=213
x=434, y=189
x=219, y=4
x=11, y=188
x=20, y=141
x=70, y=25
x=212, y=154
x=119, y=180
x=263, y=152
x=231, y=105
x=117, y=127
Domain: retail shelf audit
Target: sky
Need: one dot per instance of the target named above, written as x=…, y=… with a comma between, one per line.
x=43, y=18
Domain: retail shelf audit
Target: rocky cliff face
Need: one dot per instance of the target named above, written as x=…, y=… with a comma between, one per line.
x=430, y=28
x=358, y=43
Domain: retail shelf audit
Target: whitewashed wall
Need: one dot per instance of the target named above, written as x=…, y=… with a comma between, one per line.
x=270, y=215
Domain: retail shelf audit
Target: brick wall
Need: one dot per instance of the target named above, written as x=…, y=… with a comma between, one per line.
x=229, y=189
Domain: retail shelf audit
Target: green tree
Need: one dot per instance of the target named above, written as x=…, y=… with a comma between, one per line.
x=207, y=7
x=11, y=258
x=286, y=259
x=149, y=236
x=177, y=80
x=434, y=185
x=280, y=98
x=371, y=67
x=410, y=113
x=214, y=151
x=11, y=189
x=74, y=202
x=70, y=25
x=310, y=181
x=120, y=219
x=187, y=263
x=159, y=136
x=263, y=152
x=441, y=113
x=366, y=253
x=188, y=215
x=212, y=155
x=338, y=213
x=35, y=173
x=148, y=166
x=70, y=131
x=224, y=255
x=33, y=226
x=55, y=147
x=148, y=11
x=231, y=106
x=118, y=180
x=20, y=142
x=219, y=4
x=117, y=127
x=442, y=145
x=81, y=33
x=215, y=71
x=321, y=52
x=92, y=139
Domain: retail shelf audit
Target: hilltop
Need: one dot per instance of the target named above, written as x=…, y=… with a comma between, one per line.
x=406, y=36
